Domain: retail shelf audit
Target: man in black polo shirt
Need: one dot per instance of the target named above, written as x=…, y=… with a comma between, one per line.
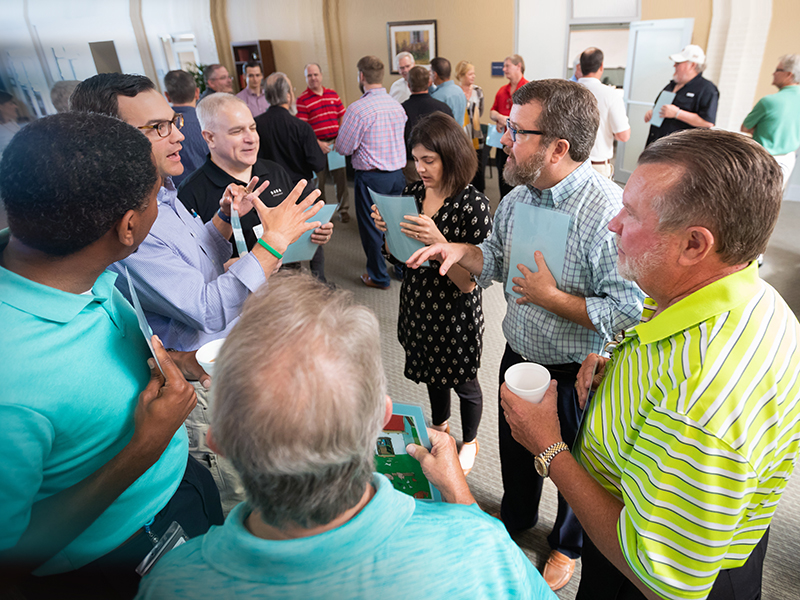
x=696, y=98
x=233, y=143
x=290, y=142
x=419, y=104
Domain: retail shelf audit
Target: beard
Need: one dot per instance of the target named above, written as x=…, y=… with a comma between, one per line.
x=638, y=267
x=524, y=173
x=361, y=87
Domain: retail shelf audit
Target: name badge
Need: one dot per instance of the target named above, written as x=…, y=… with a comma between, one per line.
x=690, y=94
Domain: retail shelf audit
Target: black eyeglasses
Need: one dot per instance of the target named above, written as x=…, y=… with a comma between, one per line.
x=514, y=132
x=164, y=128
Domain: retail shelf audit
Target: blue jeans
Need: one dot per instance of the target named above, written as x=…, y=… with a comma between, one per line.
x=384, y=182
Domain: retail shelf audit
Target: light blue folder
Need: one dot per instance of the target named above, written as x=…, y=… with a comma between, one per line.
x=664, y=98
x=304, y=248
x=335, y=160
x=541, y=229
x=393, y=209
x=493, y=137
x=147, y=331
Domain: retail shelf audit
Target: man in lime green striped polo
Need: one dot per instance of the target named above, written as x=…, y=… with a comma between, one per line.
x=691, y=436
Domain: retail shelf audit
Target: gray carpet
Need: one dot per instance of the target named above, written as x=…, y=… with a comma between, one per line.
x=345, y=262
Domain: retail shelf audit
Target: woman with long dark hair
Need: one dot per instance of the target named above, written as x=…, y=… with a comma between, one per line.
x=440, y=324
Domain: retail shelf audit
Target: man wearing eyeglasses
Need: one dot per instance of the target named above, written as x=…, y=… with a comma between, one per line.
x=549, y=136
x=217, y=80
x=188, y=295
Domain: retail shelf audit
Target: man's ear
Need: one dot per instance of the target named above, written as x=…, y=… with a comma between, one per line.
x=166, y=95
x=126, y=228
x=560, y=151
x=698, y=243
x=196, y=94
x=387, y=414
x=209, y=138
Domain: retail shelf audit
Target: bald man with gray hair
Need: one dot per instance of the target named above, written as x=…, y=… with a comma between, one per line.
x=400, y=90
x=301, y=425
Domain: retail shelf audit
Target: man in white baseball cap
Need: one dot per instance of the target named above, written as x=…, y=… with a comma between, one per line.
x=696, y=98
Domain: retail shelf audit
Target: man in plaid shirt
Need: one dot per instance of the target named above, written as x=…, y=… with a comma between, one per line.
x=372, y=132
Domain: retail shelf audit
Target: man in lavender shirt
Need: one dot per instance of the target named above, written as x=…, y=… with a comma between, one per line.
x=253, y=94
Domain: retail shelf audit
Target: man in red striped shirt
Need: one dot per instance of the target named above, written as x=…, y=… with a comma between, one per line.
x=323, y=110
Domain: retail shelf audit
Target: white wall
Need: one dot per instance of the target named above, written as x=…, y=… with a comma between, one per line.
x=542, y=37
x=172, y=19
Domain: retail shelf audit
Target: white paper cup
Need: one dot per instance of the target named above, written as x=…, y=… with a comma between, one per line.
x=207, y=355
x=528, y=380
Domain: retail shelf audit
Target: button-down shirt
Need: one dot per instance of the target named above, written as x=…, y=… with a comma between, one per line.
x=400, y=90
x=372, y=131
x=257, y=103
x=590, y=270
x=178, y=272
x=694, y=428
x=194, y=146
x=454, y=97
x=321, y=111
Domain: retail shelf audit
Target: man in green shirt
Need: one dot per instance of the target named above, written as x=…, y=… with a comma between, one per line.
x=691, y=437
x=774, y=121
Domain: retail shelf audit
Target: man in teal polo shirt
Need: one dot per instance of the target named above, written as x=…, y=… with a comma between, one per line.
x=94, y=447
x=774, y=122
x=692, y=435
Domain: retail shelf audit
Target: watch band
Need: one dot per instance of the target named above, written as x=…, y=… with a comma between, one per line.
x=546, y=457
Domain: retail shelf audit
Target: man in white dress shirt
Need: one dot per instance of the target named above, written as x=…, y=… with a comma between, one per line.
x=400, y=90
x=614, y=123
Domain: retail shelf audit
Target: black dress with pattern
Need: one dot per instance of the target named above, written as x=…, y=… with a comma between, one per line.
x=439, y=326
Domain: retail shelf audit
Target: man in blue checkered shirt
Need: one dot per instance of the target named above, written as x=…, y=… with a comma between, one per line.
x=550, y=133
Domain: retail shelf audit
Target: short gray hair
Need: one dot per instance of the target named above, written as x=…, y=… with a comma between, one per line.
x=277, y=89
x=569, y=112
x=791, y=62
x=298, y=400
x=730, y=185
x=209, y=108
x=60, y=93
x=403, y=55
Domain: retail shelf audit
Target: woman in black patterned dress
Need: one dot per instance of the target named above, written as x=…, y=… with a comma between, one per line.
x=440, y=324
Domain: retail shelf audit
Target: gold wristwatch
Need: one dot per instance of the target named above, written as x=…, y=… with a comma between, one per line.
x=543, y=460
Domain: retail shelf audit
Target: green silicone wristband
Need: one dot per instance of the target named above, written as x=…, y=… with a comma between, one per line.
x=270, y=249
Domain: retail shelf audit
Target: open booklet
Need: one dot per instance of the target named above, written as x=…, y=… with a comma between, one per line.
x=407, y=426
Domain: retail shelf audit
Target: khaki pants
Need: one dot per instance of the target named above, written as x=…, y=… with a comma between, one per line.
x=231, y=490
x=605, y=169
x=340, y=181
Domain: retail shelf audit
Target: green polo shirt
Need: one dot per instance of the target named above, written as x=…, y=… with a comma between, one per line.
x=694, y=428
x=72, y=368
x=776, y=119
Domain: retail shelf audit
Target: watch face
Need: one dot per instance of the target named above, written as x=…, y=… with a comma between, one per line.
x=541, y=466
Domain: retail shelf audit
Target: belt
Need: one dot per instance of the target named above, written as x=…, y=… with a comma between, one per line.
x=601, y=162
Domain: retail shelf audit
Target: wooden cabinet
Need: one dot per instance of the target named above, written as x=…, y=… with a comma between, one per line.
x=260, y=50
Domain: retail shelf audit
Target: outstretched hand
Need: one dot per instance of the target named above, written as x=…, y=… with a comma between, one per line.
x=285, y=223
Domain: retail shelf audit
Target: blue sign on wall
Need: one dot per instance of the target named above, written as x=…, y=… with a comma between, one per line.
x=497, y=69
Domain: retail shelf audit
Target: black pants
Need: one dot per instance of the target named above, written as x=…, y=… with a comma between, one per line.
x=316, y=265
x=600, y=580
x=522, y=485
x=500, y=162
x=195, y=505
x=479, y=181
x=471, y=398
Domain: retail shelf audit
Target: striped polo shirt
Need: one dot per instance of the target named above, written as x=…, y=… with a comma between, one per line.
x=695, y=429
x=321, y=111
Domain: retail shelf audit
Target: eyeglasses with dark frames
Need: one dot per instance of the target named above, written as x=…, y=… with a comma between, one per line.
x=164, y=128
x=514, y=132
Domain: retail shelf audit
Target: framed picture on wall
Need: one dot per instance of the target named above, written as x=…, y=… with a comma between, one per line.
x=416, y=37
